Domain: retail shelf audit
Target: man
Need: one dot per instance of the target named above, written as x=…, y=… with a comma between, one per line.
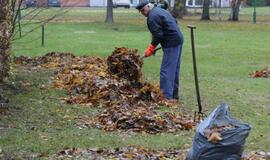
x=165, y=31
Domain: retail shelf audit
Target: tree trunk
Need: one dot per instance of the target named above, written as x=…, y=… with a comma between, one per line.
x=179, y=8
x=235, y=5
x=205, y=12
x=5, y=36
x=109, y=17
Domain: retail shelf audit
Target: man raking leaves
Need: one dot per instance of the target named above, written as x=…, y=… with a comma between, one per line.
x=165, y=31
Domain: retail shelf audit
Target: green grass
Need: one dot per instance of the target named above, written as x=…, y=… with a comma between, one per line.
x=226, y=53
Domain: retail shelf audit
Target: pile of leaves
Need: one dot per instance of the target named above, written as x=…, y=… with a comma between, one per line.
x=265, y=73
x=130, y=152
x=99, y=82
x=115, y=84
x=125, y=63
x=50, y=60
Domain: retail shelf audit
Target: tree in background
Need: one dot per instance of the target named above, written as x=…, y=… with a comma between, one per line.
x=205, y=12
x=178, y=10
x=258, y=2
x=5, y=36
x=235, y=5
x=109, y=16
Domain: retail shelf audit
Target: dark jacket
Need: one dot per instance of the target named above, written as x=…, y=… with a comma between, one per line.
x=164, y=29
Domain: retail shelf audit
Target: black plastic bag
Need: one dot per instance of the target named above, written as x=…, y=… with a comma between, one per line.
x=232, y=144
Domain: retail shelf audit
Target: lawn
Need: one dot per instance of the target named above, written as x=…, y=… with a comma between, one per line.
x=226, y=53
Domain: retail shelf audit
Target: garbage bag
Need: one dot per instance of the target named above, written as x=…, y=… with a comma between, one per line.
x=232, y=144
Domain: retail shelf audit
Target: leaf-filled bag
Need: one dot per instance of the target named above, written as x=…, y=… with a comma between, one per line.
x=231, y=137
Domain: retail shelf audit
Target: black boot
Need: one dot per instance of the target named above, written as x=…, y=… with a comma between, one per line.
x=175, y=95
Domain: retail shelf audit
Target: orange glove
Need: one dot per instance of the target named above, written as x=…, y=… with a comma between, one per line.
x=149, y=50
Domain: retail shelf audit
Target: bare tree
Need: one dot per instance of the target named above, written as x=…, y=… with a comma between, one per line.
x=205, y=12
x=235, y=5
x=9, y=14
x=109, y=16
x=179, y=9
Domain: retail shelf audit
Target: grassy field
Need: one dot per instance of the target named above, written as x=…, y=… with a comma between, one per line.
x=226, y=53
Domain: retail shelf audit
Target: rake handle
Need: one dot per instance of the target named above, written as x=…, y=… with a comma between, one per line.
x=192, y=27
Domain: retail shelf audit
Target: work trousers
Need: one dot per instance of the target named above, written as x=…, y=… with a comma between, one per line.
x=169, y=71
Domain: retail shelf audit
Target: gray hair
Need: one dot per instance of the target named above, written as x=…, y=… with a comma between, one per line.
x=150, y=5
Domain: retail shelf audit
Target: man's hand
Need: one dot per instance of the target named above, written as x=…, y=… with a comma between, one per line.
x=149, y=51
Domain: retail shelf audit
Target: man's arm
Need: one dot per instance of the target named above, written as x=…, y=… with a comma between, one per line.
x=155, y=27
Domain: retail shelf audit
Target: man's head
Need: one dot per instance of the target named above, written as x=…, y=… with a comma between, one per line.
x=144, y=7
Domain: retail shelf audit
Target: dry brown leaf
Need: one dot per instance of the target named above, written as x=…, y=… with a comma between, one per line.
x=214, y=137
x=265, y=72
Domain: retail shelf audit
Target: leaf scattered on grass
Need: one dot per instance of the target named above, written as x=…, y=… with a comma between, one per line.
x=138, y=119
x=137, y=152
x=264, y=73
x=256, y=155
x=130, y=152
x=3, y=105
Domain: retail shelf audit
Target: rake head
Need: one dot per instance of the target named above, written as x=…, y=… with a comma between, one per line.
x=199, y=116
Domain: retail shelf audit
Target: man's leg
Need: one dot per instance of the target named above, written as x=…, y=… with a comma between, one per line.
x=177, y=73
x=168, y=70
